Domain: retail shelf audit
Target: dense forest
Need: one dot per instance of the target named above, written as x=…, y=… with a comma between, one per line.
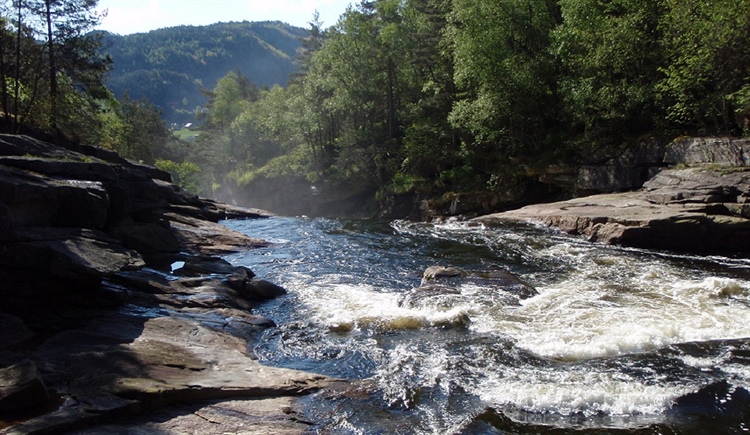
x=170, y=67
x=52, y=83
x=404, y=99
x=423, y=97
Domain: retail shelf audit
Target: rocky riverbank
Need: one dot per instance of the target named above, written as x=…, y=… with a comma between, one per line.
x=113, y=303
x=699, y=201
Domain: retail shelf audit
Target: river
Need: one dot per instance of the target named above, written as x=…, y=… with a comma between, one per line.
x=617, y=340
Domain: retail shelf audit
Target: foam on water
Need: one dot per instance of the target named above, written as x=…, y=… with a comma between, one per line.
x=589, y=394
x=609, y=308
x=608, y=303
x=343, y=307
x=577, y=320
x=580, y=346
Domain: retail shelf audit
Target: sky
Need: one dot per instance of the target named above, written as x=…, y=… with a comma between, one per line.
x=135, y=16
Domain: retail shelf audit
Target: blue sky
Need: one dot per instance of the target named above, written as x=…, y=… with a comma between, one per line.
x=134, y=16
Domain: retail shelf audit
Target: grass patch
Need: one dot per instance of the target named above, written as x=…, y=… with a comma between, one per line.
x=186, y=134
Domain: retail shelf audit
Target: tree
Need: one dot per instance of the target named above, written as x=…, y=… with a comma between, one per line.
x=707, y=74
x=506, y=77
x=21, y=60
x=65, y=24
x=232, y=95
x=611, y=54
x=139, y=132
x=49, y=78
x=356, y=76
x=431, y=144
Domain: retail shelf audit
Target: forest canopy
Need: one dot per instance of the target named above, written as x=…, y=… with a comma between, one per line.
x=428, y=96
x=417, y=97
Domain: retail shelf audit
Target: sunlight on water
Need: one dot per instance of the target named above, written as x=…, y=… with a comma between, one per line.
x=598, y=339
x=345, y=307
x=586, y=392
x=585, y=317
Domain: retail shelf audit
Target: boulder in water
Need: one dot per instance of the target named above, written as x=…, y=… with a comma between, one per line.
x=261, y=290
x=445, y=288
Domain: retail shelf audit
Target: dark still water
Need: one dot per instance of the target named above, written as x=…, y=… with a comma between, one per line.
x=616, y=341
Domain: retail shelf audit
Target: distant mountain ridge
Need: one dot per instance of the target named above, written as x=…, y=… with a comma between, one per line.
x=170, y=66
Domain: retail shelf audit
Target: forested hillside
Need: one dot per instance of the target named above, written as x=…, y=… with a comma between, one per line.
x=425, y=97
x=170, y=66
x=399, y=101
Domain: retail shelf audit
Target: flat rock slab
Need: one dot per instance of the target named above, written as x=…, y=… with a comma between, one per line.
x=209, y=237
x=629, y=219
x=155, y=346
x=111, y=306
x=270, y=415
x=124, y=364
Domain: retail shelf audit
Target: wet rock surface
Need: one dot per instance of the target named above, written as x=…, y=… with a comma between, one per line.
x=262, y=416
x=703, y=209
x=445, y=287
x=114, y=304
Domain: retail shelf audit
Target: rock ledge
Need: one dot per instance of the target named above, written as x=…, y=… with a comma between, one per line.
x=703, y=209
x=113, y=305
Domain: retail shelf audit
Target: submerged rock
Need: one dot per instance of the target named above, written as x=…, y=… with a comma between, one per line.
x=698, y=411
x=437, y=272
x=447, y=288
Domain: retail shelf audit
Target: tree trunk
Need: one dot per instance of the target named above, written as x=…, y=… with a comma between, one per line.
x=17, y=84
x=4, y=83
x=52, y=67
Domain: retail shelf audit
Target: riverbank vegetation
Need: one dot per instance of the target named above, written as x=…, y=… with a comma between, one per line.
x=412, y=97
x=434, y=95
x=52, y=83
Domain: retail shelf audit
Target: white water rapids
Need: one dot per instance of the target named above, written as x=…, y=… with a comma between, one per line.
x=601, y=338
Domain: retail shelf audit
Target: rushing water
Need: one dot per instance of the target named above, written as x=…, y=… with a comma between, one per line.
x=616, y=340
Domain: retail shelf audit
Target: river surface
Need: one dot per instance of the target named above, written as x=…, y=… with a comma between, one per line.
x=616, y=341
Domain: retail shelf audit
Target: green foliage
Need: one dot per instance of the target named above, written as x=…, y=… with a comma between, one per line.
x=231, y=97
x=431, y=96
x=51, y=74
x=186, y=134
x=506, y=74
x=707, y=73
x=183, y=174
x=138, y=132
x=405, y=183
x=288, y=165
x=611, y=54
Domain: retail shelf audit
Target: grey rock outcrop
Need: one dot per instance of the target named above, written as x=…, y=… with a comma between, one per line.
x=625, y=172
x=701, y=208
x=114, y=305
x=693, y=151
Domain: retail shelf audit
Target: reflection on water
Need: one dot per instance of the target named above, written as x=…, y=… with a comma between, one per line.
x=615, y=339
